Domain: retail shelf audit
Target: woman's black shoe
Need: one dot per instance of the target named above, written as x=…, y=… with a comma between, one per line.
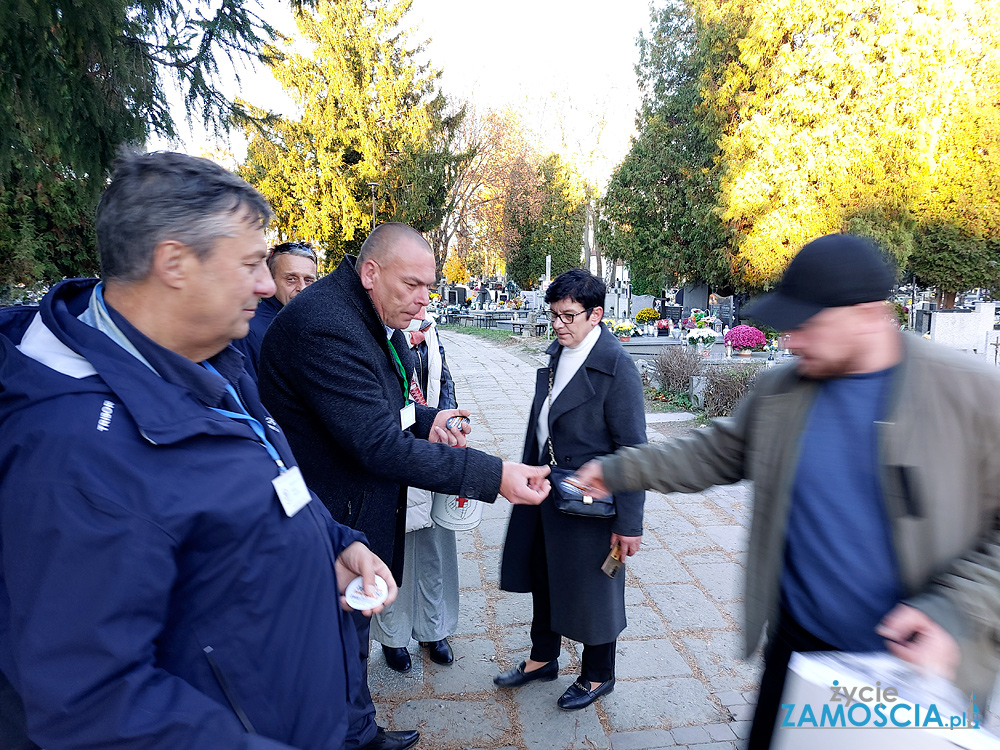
x=578, y=695
x=397, y=658
x=517, y=676
x=440, y=651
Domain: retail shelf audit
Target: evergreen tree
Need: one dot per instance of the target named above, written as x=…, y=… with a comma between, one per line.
x=370, y=118
x=765, y=125
x=550, y=222
x=78, y=80
x=659, y=211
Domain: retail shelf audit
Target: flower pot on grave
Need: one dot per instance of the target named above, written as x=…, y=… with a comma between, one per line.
x=624, y=339
x=745, y=352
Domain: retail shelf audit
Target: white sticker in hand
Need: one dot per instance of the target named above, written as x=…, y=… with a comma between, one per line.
x=359, y=600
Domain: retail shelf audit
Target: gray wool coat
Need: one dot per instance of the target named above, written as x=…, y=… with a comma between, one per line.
x=599, y=411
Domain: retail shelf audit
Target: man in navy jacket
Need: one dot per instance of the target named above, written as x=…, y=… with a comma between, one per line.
x=166, y=580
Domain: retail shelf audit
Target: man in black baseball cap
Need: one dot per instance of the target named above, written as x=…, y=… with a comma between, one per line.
x=836, y=270
x=831, y=304
x=876, y=511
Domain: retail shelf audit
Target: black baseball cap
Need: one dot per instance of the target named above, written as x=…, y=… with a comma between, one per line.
x=835, y=270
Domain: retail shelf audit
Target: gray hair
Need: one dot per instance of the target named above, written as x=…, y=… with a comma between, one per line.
x=301, y=249
x=169, y=196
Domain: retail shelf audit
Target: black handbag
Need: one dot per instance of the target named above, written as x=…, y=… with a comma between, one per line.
x=566, y=497
x=573, y=502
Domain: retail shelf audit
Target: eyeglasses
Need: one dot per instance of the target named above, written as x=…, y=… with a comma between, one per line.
x=567, y=318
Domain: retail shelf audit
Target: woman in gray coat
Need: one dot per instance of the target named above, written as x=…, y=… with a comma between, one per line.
x=590, y=406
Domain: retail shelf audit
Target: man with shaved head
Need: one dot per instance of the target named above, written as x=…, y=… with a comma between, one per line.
x=335, y=371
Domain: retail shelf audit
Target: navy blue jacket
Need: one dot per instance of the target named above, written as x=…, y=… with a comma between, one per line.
x=327, y=375
x=249, y=346
x=153, y=593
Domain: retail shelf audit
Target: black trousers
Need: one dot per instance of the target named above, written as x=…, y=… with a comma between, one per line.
x=361, y=727
x=790, y=636
x=598, y=659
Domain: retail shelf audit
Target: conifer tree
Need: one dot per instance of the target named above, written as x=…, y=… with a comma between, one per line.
x=550, y=222
x=371, y=117
x=766, y=124
x=78, y=80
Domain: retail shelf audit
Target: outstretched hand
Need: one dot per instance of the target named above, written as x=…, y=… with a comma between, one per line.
x=590, y=479
x=524, y=485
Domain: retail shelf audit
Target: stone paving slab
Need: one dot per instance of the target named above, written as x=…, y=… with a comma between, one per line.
x=653, y=657
x=660, y=564
x=643, y=622
x=641, y=740
x=472, y=670
x=454, y=722
x=680, y=682
x=662, y=702
x=546, y=729
x=684, y=606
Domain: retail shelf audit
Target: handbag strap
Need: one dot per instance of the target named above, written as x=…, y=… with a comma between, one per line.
x=552, y=378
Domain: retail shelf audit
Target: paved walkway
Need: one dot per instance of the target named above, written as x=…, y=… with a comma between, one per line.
x=680, y=682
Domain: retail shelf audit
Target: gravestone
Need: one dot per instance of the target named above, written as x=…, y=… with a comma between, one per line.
x=722, y=311
x=639, y=301
x=966, y=330
x=695, y=296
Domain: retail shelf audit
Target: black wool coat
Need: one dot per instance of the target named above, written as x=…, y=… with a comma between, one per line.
x=327, y=376
x=600, y=410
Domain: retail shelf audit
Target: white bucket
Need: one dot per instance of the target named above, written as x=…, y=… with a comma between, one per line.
x=456, y=513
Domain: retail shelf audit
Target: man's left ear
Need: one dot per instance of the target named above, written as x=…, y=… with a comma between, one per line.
x=171, y=262
x=367, y=274
x=596, y=315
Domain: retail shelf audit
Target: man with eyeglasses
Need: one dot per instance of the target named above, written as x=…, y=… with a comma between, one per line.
x=335, y=371
x=293, y=267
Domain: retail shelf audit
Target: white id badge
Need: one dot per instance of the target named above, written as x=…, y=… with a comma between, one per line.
x=292, y=490
x=408, y=415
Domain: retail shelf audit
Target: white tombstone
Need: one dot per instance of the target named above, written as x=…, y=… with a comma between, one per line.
x=970, y=332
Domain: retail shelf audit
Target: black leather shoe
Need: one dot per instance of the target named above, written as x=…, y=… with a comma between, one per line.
x=517, y=676
x=385, y=740
x=397, y=658
x=440, y=651
x=578, y=695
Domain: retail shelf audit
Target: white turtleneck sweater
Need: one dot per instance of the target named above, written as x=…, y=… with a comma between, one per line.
x=571, y=360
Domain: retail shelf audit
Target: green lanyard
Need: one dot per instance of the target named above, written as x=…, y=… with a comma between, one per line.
x=402, y=372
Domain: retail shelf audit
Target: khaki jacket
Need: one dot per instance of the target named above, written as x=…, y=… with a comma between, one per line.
x=940, y=470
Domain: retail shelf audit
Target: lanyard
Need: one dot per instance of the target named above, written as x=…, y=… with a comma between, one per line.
x=402, y=372
x=244, y=416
